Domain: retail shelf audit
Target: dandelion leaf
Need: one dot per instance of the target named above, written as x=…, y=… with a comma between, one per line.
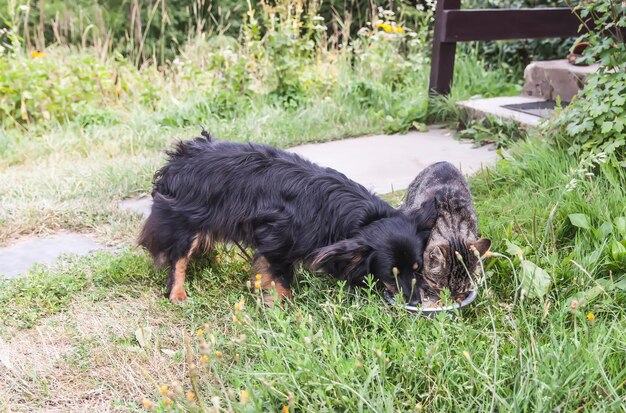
x=535, y=280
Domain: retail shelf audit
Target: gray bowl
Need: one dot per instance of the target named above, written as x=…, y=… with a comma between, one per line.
x=433, y=311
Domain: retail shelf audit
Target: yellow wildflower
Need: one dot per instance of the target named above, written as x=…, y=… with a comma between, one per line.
x=163, y=389
x=385, y=26
x=219, y=354
x=258, y=277
x=257, y=285
x=167, y=401
x=390, y=28
x=244, y=396
x=200, y=332
x=191, y=396
x=36, y=53
x=147, y=404
x=285, y=409
x=591, y=316
x=204, y=359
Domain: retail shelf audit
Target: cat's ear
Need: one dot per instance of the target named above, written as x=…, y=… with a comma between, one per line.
x=482, y=246
x=439, y=255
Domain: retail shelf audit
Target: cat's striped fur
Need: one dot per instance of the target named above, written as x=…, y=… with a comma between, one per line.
x=449, y=258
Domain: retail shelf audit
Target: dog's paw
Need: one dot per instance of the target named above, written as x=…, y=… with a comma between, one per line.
x=178, y=296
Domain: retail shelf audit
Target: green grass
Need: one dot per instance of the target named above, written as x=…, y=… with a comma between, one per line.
x=342, y=349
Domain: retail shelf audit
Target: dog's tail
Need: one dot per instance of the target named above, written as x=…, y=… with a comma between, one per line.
x=191, y=147
x=180, y=151
x=207, y=135
x=185, y=149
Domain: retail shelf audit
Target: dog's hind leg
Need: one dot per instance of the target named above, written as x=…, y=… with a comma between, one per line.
x=273, y=277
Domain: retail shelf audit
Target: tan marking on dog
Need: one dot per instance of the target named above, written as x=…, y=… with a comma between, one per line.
x=194, y=246
x=269, y=282
x=415, y=266
x=178, y=293
x=208, y=240
x=202, y=244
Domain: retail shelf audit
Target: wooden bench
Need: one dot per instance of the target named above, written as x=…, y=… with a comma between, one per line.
x=453, y=25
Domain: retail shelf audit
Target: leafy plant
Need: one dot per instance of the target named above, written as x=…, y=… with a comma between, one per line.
x=596, y=120
x=498, y=131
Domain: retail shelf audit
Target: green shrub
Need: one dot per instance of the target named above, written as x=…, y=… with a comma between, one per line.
x=283, y=58
x=596, y=120
x=56, y=85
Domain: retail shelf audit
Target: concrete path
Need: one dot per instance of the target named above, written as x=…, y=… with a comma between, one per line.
x=381, y=163
x=21, y=256
x=384, y=163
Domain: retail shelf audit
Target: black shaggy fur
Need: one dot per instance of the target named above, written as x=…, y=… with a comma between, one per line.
x=286, y=208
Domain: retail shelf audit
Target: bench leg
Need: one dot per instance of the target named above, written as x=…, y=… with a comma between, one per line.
x=442, y=65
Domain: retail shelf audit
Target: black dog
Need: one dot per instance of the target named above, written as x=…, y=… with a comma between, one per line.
x=289, y=209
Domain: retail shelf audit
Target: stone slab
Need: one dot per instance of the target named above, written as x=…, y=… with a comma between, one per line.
x=551, y=78
x=479, y=108
x=18, y=258
x=384, y=163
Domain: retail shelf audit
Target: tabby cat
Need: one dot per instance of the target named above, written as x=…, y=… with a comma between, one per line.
x=450, y=260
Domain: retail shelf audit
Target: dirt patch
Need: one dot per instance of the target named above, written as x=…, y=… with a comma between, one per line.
x=89, y=359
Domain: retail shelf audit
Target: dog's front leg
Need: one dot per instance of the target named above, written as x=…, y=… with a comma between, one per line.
x=273, y=277
x=176, y=280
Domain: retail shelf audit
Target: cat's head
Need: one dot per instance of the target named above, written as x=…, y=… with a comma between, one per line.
x=453, y=264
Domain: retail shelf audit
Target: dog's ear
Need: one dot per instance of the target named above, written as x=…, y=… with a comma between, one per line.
x=342, y=258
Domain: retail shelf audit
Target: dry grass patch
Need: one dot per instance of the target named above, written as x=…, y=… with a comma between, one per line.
x=88, y=358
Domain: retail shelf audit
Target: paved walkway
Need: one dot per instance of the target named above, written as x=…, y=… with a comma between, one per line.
x=385, y=163
x=381, y=163
x=21, y=256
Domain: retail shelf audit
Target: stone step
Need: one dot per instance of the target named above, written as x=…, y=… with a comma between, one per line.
x=497, y=107
x=544, y=82
x=550, y=79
